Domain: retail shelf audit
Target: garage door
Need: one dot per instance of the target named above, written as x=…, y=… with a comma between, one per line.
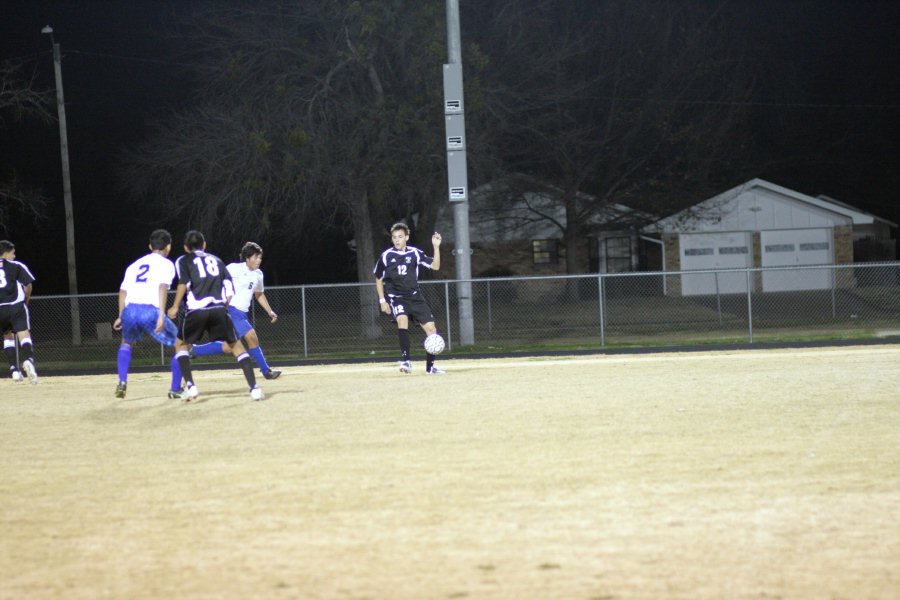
x=797, y=247
x=714, y=251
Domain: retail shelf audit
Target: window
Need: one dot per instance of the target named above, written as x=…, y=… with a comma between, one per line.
x=733, y=250
x=618, y=254
x=699, y=251
x=779, y=247
x=547, y=252
x=814, y=246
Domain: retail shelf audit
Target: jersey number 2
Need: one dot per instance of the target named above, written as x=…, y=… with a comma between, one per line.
x=142, y=274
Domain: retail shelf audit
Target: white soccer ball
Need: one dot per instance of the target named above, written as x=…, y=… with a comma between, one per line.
x=434, y=344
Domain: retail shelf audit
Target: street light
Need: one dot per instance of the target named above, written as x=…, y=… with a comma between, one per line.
x=67, y=189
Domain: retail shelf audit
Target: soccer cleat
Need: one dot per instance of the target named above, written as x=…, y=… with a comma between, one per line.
x=272, y=374
x=189, y=393
x=17, y=375
x=405, y=366
x=120, y=389
x=256, y=393
x=435, y=371
x=28, y=366
x=176, y=394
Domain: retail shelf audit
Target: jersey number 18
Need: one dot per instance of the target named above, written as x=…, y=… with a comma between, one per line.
x=211, y=268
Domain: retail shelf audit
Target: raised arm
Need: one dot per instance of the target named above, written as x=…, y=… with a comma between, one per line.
x=436, y=245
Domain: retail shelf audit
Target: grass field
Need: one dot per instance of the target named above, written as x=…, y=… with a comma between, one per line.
x=709, y=475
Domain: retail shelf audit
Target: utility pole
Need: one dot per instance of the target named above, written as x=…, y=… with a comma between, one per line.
x=67, y=190
x=457, y=178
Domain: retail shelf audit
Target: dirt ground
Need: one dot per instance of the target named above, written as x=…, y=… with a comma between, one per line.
x=740, y=475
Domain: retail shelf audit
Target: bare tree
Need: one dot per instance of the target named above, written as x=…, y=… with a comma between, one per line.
x=306, y=113
x=638, y=103
x=20, y=99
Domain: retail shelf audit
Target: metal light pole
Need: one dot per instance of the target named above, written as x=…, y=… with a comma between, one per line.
x=457, y=179
x=67, y=189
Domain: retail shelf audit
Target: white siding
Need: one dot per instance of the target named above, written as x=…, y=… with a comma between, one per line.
x=726, y=250
x=797, y=247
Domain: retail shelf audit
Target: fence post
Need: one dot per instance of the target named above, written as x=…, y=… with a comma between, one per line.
x=602, y=314
x=303, y=310
x=749, y=307
x=447, y=315
x=490, y=318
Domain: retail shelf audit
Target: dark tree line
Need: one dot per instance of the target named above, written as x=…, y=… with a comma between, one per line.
x=326, y=115
x=20, y=99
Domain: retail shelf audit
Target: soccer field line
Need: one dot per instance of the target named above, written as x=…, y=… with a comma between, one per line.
x=474, y=364
x=470, y=364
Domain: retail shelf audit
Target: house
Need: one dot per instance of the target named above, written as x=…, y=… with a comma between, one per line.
x=761, y=224
x=516, y=228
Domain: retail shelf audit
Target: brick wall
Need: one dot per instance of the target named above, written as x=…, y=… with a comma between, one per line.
x=672, y=250
x=515, y=258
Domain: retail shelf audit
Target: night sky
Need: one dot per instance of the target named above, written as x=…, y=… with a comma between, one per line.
x=121, y=68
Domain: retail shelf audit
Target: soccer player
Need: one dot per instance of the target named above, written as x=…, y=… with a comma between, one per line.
x=397, y=285
x=206, y=284
x=15, y=292
x=9, y=349
x=142, y=303
x=248, y=284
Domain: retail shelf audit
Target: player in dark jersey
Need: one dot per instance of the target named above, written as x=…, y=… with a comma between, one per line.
x=397, y=285
x=205, y=284
x=15, y=292
x=9, y=349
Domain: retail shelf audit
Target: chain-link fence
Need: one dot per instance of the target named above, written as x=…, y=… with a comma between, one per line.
x=585, y=311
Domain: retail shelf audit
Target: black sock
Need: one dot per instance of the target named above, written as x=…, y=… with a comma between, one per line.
x=11, y=357
x=246, y=366
x=429, y=361
x=403, y=334
x=26, y=352
x=184, y=363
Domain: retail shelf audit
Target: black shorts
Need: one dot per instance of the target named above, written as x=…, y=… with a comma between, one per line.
x=213, y=321
x=14, y=317
x=413, y=307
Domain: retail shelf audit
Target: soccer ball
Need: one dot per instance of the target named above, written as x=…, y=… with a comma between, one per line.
x=434, y=344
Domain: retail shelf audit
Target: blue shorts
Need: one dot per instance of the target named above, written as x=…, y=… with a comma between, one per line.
x=138, y=319
x=240, y=321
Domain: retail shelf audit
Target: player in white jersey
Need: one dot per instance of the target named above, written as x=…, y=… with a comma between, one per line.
x=142, y=303
x=248, y=284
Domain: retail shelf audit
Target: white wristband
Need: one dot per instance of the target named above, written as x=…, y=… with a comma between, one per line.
x=382, y=301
